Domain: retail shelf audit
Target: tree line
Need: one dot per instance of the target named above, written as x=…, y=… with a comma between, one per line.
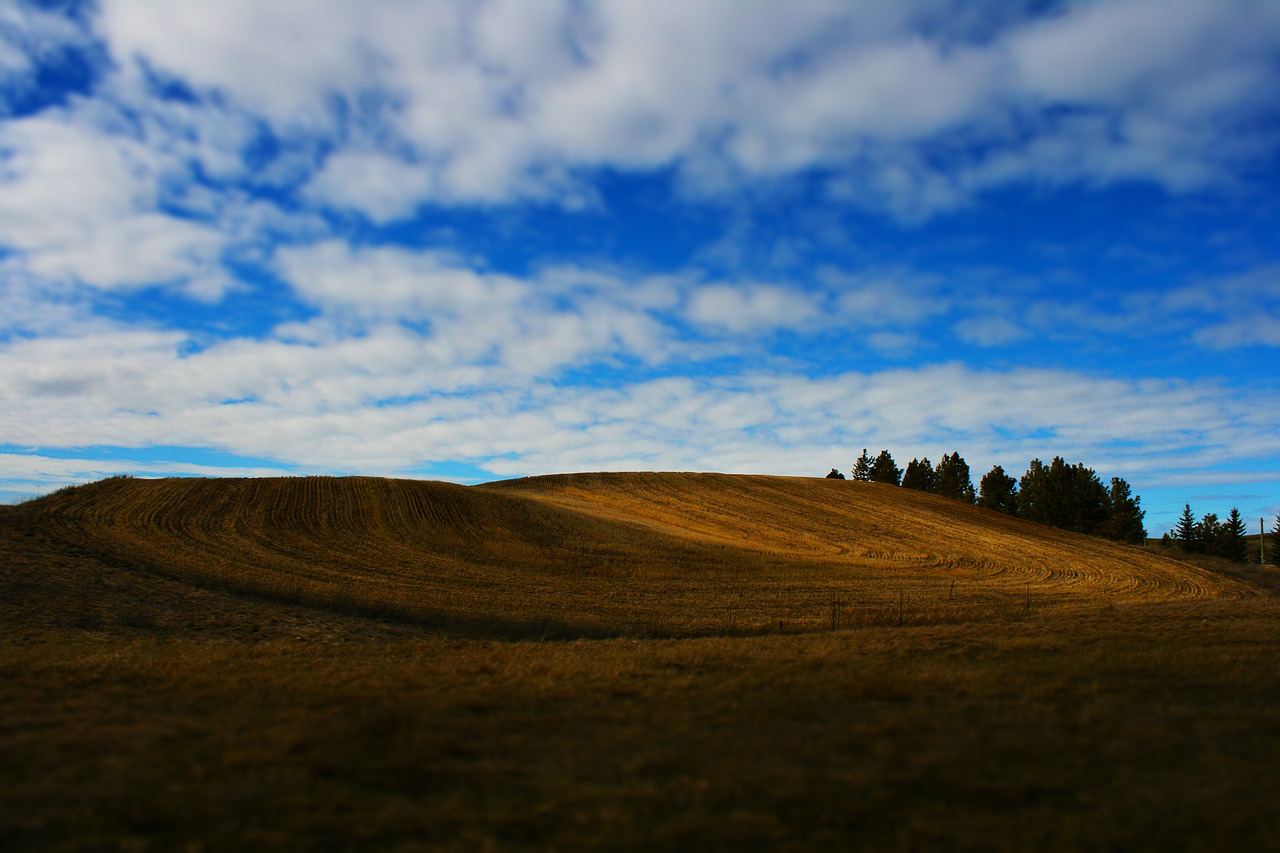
x=1221, y=537
x=1069, y=496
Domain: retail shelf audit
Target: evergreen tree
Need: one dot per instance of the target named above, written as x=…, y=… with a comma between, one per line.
x=1090, y=500
x=1187, y=532
x=998, y=491
x=862, y=468
x=1124, y=515
x=951, y=478
x=919, y=475
x=1211, y=534
x=1233, y=544
x=1274, y=544
x=1035, y=500
x=835, y=475
x=885, y=470
x=1067, y=496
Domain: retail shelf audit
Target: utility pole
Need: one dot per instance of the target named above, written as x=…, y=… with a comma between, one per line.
x=1262, y=541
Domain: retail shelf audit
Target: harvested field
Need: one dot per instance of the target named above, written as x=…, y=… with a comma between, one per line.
x=605, y=554
x=618, y=661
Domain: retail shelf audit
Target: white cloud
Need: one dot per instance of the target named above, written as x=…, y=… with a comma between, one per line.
x=80, y=204
x=277, y=58
x=895, y=298
x=1132, y=53
x=1257, y=329
x=990, y=331
x=885, y=306
x=1233, y=311
x=563, y=316
x=29, y=475
x=742, y=308
x=534, y=326
x=854, y=103
x=383, y=402
x=457, y=102
x=382, y=186
x=30, y=35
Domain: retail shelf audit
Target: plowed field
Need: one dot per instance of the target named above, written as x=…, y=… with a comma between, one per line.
x=594, y=554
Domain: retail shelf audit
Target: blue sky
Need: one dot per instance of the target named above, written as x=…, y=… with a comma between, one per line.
x=475, y=240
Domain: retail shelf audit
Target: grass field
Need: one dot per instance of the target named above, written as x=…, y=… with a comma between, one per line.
x=620, y=661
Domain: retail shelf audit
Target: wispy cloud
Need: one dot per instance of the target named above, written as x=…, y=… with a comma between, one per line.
x=1244, y=309
x=388, y=398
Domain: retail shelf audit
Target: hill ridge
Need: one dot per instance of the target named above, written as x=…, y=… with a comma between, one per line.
x=597, y=554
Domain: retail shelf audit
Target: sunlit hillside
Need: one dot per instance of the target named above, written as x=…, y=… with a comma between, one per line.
x=599, y=554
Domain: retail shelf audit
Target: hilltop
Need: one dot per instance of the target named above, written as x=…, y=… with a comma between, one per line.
x=584, y=555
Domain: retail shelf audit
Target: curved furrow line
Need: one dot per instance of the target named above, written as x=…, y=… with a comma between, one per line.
x=655, y=549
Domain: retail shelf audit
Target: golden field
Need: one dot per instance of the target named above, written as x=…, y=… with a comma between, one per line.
x=620, y=661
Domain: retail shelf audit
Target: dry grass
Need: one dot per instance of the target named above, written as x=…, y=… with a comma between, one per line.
x=1152, y=731
x=657, y=555
x=355, y=663
x=1265, y=577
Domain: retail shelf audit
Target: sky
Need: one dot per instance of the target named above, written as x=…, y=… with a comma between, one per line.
x=496, y=238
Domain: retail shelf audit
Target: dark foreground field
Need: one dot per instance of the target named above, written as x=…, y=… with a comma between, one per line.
x=170, y=679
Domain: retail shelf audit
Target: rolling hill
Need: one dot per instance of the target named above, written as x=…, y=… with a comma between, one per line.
x=368, y=663
x=642, y=554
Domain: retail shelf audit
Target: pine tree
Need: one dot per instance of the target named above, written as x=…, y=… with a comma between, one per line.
x=951, y=478
x=919, y=475
x=1033, y=493
x=998, y=491
x=1090, y=504
x=1187, y=532
x=1233, y=545
x=1124, y=515
x=1274, y=550
x=1067, y=496
x=835, y=475
x=885, y=470
x=862, y=468
x=1211, y=534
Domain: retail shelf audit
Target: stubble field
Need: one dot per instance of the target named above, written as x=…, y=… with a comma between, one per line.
x=638, y=660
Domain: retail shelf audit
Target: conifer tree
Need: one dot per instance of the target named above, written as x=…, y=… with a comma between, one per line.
x=862, y=468
x=1124, y=514
x=1067, y=496
x=1090, y=504
x=1274, y=549
x=1233, y=545
x=1211, y=534
x=1034, y=498
x=998, y=491
x=885, y=470
x=1188, y=531
x=951, y=478
x=919, y=475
